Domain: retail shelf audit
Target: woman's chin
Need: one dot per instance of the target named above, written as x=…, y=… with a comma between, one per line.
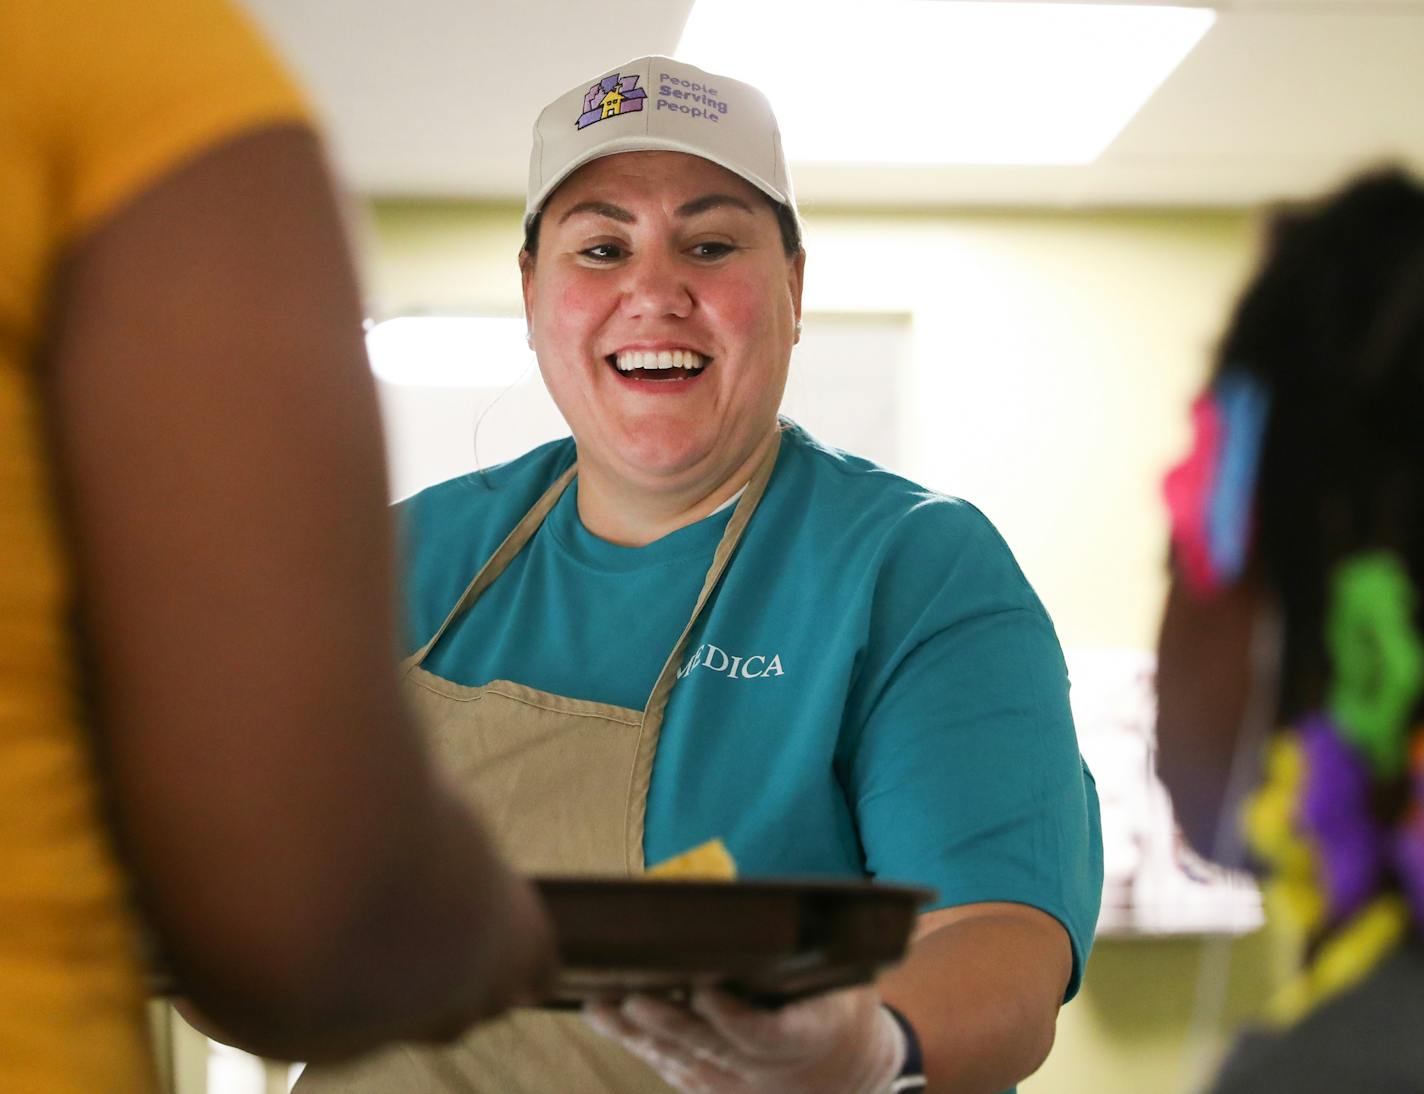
x=655, y=449
x=658, y=452
x=663, y=466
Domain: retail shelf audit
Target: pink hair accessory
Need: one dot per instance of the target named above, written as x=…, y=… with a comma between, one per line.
x=1188, y=490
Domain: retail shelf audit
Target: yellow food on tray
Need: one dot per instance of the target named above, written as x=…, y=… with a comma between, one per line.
x=710, y=861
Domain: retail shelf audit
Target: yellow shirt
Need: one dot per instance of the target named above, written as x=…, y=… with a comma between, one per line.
x=98, y=99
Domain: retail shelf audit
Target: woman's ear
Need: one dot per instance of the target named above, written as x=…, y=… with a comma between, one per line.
x=795, y=279
x=526, y=279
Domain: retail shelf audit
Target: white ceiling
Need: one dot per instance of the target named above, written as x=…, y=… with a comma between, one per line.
x=1281, y=98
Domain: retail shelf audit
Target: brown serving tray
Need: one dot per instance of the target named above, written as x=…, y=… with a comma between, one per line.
x=767, y=941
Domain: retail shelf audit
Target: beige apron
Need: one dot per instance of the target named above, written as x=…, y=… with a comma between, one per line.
x=563, y=784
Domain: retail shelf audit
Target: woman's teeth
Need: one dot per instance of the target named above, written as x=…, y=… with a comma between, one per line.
x=659, y=359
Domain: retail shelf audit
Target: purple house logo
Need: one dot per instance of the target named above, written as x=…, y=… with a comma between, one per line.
x=610, y=96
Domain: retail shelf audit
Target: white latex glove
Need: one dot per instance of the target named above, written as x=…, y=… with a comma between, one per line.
x=839, y=1043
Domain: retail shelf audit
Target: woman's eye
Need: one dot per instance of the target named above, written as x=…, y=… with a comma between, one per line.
x=712, y=250
x=603, y=252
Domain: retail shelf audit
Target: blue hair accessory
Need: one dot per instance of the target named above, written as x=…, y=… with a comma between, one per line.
x=1242, y=404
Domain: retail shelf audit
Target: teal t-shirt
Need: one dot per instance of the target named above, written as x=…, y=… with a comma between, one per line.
x=872, y=690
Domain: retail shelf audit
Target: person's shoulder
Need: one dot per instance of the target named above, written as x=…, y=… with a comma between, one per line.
x=479, y=499
x=857, y=499
x=886, y=492
x=448, y=530
x=499, y=484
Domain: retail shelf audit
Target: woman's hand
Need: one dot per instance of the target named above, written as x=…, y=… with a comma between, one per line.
x=840, y=1043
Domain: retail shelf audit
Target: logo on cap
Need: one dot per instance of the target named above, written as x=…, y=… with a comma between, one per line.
x=611, y=96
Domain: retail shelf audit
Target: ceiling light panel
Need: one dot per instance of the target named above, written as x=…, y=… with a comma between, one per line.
x=943, y=81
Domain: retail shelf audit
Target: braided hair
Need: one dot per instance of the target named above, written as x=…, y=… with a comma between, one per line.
x=1333, y=326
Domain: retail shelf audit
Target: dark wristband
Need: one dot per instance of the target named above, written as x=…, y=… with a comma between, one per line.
x=912, y=1072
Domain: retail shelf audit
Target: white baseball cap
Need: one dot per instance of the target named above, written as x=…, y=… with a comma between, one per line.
x=658, y=104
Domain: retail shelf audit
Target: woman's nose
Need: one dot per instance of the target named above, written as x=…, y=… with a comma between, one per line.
x=656, y=288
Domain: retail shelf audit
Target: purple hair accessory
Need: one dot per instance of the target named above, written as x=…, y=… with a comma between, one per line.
x=1335, y=815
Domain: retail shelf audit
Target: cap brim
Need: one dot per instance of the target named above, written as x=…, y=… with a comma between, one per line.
x=644, y=142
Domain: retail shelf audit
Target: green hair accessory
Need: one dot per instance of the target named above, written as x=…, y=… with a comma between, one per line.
x=1379, y=663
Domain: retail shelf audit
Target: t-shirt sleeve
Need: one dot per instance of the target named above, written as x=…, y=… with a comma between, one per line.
x=966, y=774
x=129, y=92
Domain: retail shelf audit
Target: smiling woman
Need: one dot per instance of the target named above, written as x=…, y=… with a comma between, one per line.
x=692, y=621
x=648, y=256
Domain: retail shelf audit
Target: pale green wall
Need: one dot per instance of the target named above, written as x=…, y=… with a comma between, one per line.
x=1134, y=1029
x=1054, y=356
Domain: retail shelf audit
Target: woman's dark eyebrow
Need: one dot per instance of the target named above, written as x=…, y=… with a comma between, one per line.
x=690, y=209
x=711, y=201
x=603, y=209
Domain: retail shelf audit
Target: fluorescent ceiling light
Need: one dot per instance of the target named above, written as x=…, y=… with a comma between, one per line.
x=943, y=81
x=450, y=351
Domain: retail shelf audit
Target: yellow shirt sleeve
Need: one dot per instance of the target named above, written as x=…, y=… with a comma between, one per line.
x=99, y=100
x=134, y=90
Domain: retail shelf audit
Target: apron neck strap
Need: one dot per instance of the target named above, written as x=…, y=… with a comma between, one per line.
x=513, y=543
x=731, y=537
